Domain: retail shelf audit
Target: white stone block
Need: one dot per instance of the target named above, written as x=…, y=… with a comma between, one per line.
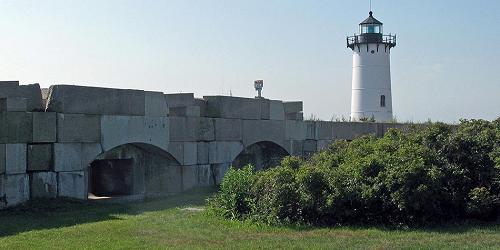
x=78, y=128
x=120, y=130
x=191, y=129
x=233, y=107
x=310, y=130
x=16, y=127
x=187, y=111
x=189, y=177
x=72, y=185
x=261, y=130
x=205, y=177
x=203, y=106
x=39, y=157
x=295, y=130
x=299, y=116
x=71, y=99
x=265, y=109
x=224, y=151
x=203, y=152
x=13, y=158
x=8, y=88
x=186, y=153
x=43, y=185
x=14, y=190
x=155, y=104
x=296, y=148
x=190, y=153
x=68, y=157
x=44, y=127
x=277, y=111
x=351, y=130
x=310, y=146
x=324, y=130
x=293, y=107
x=33, y=95
x=180, y=100
x=13, y=104
x=228, y=129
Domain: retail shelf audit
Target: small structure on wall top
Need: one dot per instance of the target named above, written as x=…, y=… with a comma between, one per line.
x=259, y=85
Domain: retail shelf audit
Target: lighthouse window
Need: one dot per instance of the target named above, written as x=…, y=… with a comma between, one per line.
x=371, y=28
x=382, y=101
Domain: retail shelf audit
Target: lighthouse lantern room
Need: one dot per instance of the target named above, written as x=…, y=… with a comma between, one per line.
x=371, y=72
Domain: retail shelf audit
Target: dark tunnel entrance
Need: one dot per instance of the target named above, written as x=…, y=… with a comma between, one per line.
x=111, y=177
x=262, y=155
x=134, y=171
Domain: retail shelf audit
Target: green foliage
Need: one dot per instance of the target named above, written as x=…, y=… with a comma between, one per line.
x=313, y=188
x=234, y=200
x=495, y=155
x=275, y=196
x=292, y=162
x=431, y=174
x=481, y=203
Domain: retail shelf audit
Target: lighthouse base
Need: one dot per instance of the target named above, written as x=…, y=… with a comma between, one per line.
x=372, y=116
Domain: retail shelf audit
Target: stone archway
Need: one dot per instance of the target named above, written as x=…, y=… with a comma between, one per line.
x=262, y=155
x=134, y=170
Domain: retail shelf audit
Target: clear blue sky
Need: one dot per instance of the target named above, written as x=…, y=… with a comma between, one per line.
x=446, y=65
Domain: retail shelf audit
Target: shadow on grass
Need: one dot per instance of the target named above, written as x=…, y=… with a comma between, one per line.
x=48, y=214
x=457, y=227
x=451, y=228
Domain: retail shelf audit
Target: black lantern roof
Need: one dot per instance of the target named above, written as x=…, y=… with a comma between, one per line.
x=371, y=20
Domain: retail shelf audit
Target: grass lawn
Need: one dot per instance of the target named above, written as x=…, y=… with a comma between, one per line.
x=161, y=224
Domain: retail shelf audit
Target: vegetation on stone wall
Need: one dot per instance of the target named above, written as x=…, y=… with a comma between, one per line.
x=435, y=174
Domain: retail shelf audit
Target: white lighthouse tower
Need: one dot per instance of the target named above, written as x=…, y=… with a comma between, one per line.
x=371, y=72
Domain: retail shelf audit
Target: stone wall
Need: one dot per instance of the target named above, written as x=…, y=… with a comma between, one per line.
x=174, y=142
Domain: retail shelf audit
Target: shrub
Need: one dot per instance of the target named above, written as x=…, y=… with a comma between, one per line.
x=234, y=200
x=313, y=190
x=481, y=203
x=430, y=174
x=468, y=152
x=332, y=157
x=292, y=162
x=276, y=198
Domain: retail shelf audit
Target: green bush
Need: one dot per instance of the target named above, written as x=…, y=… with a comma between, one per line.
x=313, y=189
x=275, y=196
x=431, y=174
x=481, y=203
x=469, y=164
x=234, y=201
x=293, y=162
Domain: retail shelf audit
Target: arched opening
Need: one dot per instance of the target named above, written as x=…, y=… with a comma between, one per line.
x=134, y=170
x=262, y=155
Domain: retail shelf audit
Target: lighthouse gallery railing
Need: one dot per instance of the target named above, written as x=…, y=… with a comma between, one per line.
x=389, y=40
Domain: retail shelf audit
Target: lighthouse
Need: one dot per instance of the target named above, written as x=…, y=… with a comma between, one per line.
x=371, y=72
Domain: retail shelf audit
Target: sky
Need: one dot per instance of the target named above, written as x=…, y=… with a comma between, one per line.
x=444, y=68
